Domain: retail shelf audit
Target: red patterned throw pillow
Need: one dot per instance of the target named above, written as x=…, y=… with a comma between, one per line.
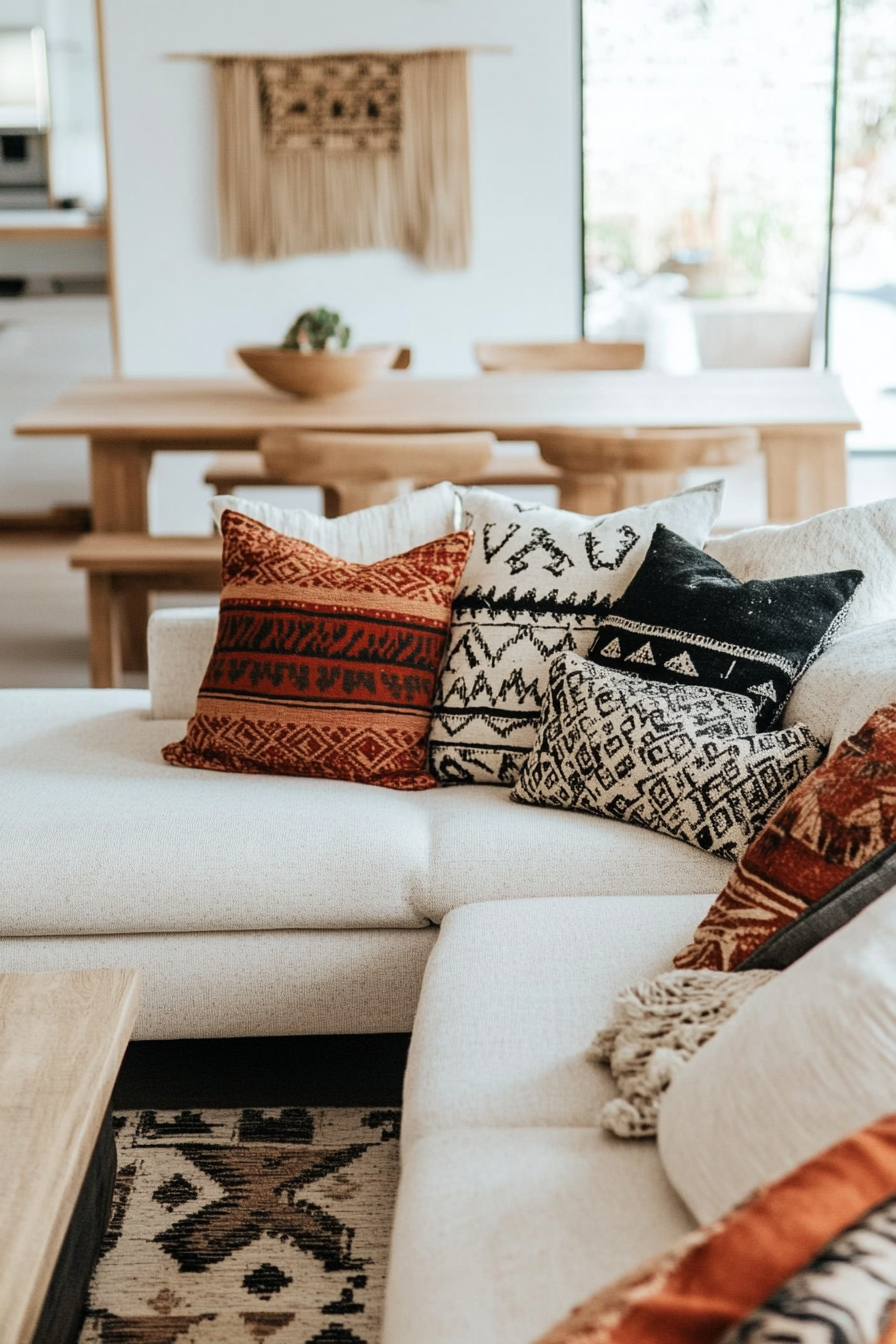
x=837, y=820
x=322, y=667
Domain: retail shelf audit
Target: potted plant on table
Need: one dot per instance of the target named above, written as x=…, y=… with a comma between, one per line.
x=314, y=359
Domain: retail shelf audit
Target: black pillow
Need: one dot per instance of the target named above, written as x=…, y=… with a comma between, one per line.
x=684, y=618
x=825, y=916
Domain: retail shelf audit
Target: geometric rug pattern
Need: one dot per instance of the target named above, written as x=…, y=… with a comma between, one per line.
x=234, y=1226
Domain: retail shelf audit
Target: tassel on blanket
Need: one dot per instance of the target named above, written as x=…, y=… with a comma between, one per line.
x=657, y=1026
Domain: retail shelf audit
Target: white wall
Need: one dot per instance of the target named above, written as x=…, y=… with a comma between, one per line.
x=181, y=309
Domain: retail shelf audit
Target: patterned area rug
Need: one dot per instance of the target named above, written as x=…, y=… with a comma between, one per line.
x=235, y=1226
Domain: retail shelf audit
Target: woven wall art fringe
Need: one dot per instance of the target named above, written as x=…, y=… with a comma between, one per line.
x=331, y=154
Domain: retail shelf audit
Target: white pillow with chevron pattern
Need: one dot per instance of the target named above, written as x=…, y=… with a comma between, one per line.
x=537, y=583
x=683, y=760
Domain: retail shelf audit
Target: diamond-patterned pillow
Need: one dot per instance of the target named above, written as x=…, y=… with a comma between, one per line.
x=322, y=667
x=683, y=760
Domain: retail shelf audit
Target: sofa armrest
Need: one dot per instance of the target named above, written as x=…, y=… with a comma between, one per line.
x=180, y=642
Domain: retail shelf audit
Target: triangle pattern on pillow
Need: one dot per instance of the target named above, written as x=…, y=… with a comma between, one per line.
x=642, y=655
x=766, y=691
x=683, y=664
x=613, y=649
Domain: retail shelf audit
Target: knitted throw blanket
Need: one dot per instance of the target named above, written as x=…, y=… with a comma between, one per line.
x=657, y=1025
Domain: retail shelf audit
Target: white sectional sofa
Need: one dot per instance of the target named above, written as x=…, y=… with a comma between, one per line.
x=264, y=905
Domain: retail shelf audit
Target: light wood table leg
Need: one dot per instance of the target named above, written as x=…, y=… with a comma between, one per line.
x=105, y=631
x=119, y=470
x=349, y=496
x=805, y=472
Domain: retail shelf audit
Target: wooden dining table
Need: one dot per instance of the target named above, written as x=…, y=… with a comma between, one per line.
x=802, y=418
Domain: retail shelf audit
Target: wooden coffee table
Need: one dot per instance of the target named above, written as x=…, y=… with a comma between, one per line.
x=62, y=1038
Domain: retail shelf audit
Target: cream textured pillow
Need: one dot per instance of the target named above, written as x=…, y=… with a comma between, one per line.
x=843, y=688
x=537, y=583
x=686, y=761
x=862, y=538
x=368, y=535
x=808, y=1058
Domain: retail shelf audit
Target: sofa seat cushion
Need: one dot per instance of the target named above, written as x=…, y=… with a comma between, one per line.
x=99, y=835
x=487, y=848
x=498, y=1233
x=513, y=995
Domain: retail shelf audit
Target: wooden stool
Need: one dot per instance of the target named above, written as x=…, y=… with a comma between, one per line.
x=62, y=1038
x=560, y=356
x=229, y=471
x=357, y=470
x=602, y=471
x=119, y=562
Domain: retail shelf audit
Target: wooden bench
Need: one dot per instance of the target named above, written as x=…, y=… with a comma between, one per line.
x=118, y=563
x=229, y=471
x=62, y=1038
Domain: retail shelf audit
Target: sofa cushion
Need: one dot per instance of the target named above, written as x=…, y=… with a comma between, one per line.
x=499, y=1232
x=861, y=537
x=513, y=995
x=139, y=848
x=834, y=822
x=536, y=584
x=322, y=667
x=367, y=535
x=684, y=618
x=809, y=1058
x=180, y=641
x=99, y=835
x=686, y=761
x=853, y=678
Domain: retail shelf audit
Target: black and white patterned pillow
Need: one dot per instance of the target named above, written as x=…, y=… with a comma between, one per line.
x=845, y=1295
x=684, y=618
x=537, y=583
x=683, y=760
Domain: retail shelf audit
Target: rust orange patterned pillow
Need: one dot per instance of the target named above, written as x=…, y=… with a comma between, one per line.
x=322, y=667
x=836, y=820
x=711, y=1279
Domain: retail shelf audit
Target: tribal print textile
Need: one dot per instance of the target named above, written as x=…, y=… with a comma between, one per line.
x=230, y=1227
x=682, y=760
x=685, y=619
x=846, y=1294
x=837, y=820
x=322, y=667
x=537, y=584
x=334, y=103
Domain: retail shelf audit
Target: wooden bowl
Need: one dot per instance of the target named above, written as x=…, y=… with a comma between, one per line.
x=318, y=373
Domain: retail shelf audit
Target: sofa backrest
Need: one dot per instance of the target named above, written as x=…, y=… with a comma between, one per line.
x=180, y=642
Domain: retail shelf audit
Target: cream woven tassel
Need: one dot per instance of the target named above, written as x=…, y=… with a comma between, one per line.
x=656, y=1027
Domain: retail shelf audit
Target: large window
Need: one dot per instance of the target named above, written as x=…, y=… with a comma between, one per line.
x=707, y=167
x=711, y=129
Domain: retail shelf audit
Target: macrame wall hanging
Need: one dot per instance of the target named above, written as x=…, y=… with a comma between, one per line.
x=333, y=153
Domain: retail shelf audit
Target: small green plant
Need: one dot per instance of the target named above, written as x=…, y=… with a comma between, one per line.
x=318, y=329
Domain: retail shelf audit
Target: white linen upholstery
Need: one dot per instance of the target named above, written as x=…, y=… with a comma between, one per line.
x=295, y=982
x=862, y=537
x=367, y=535
x=513, y=1206
x=483, y=847
x=99, y=835
x=499, y=1232
x=180, y=641
x=809, y=1058
x=847, y=684
x=513, y=995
